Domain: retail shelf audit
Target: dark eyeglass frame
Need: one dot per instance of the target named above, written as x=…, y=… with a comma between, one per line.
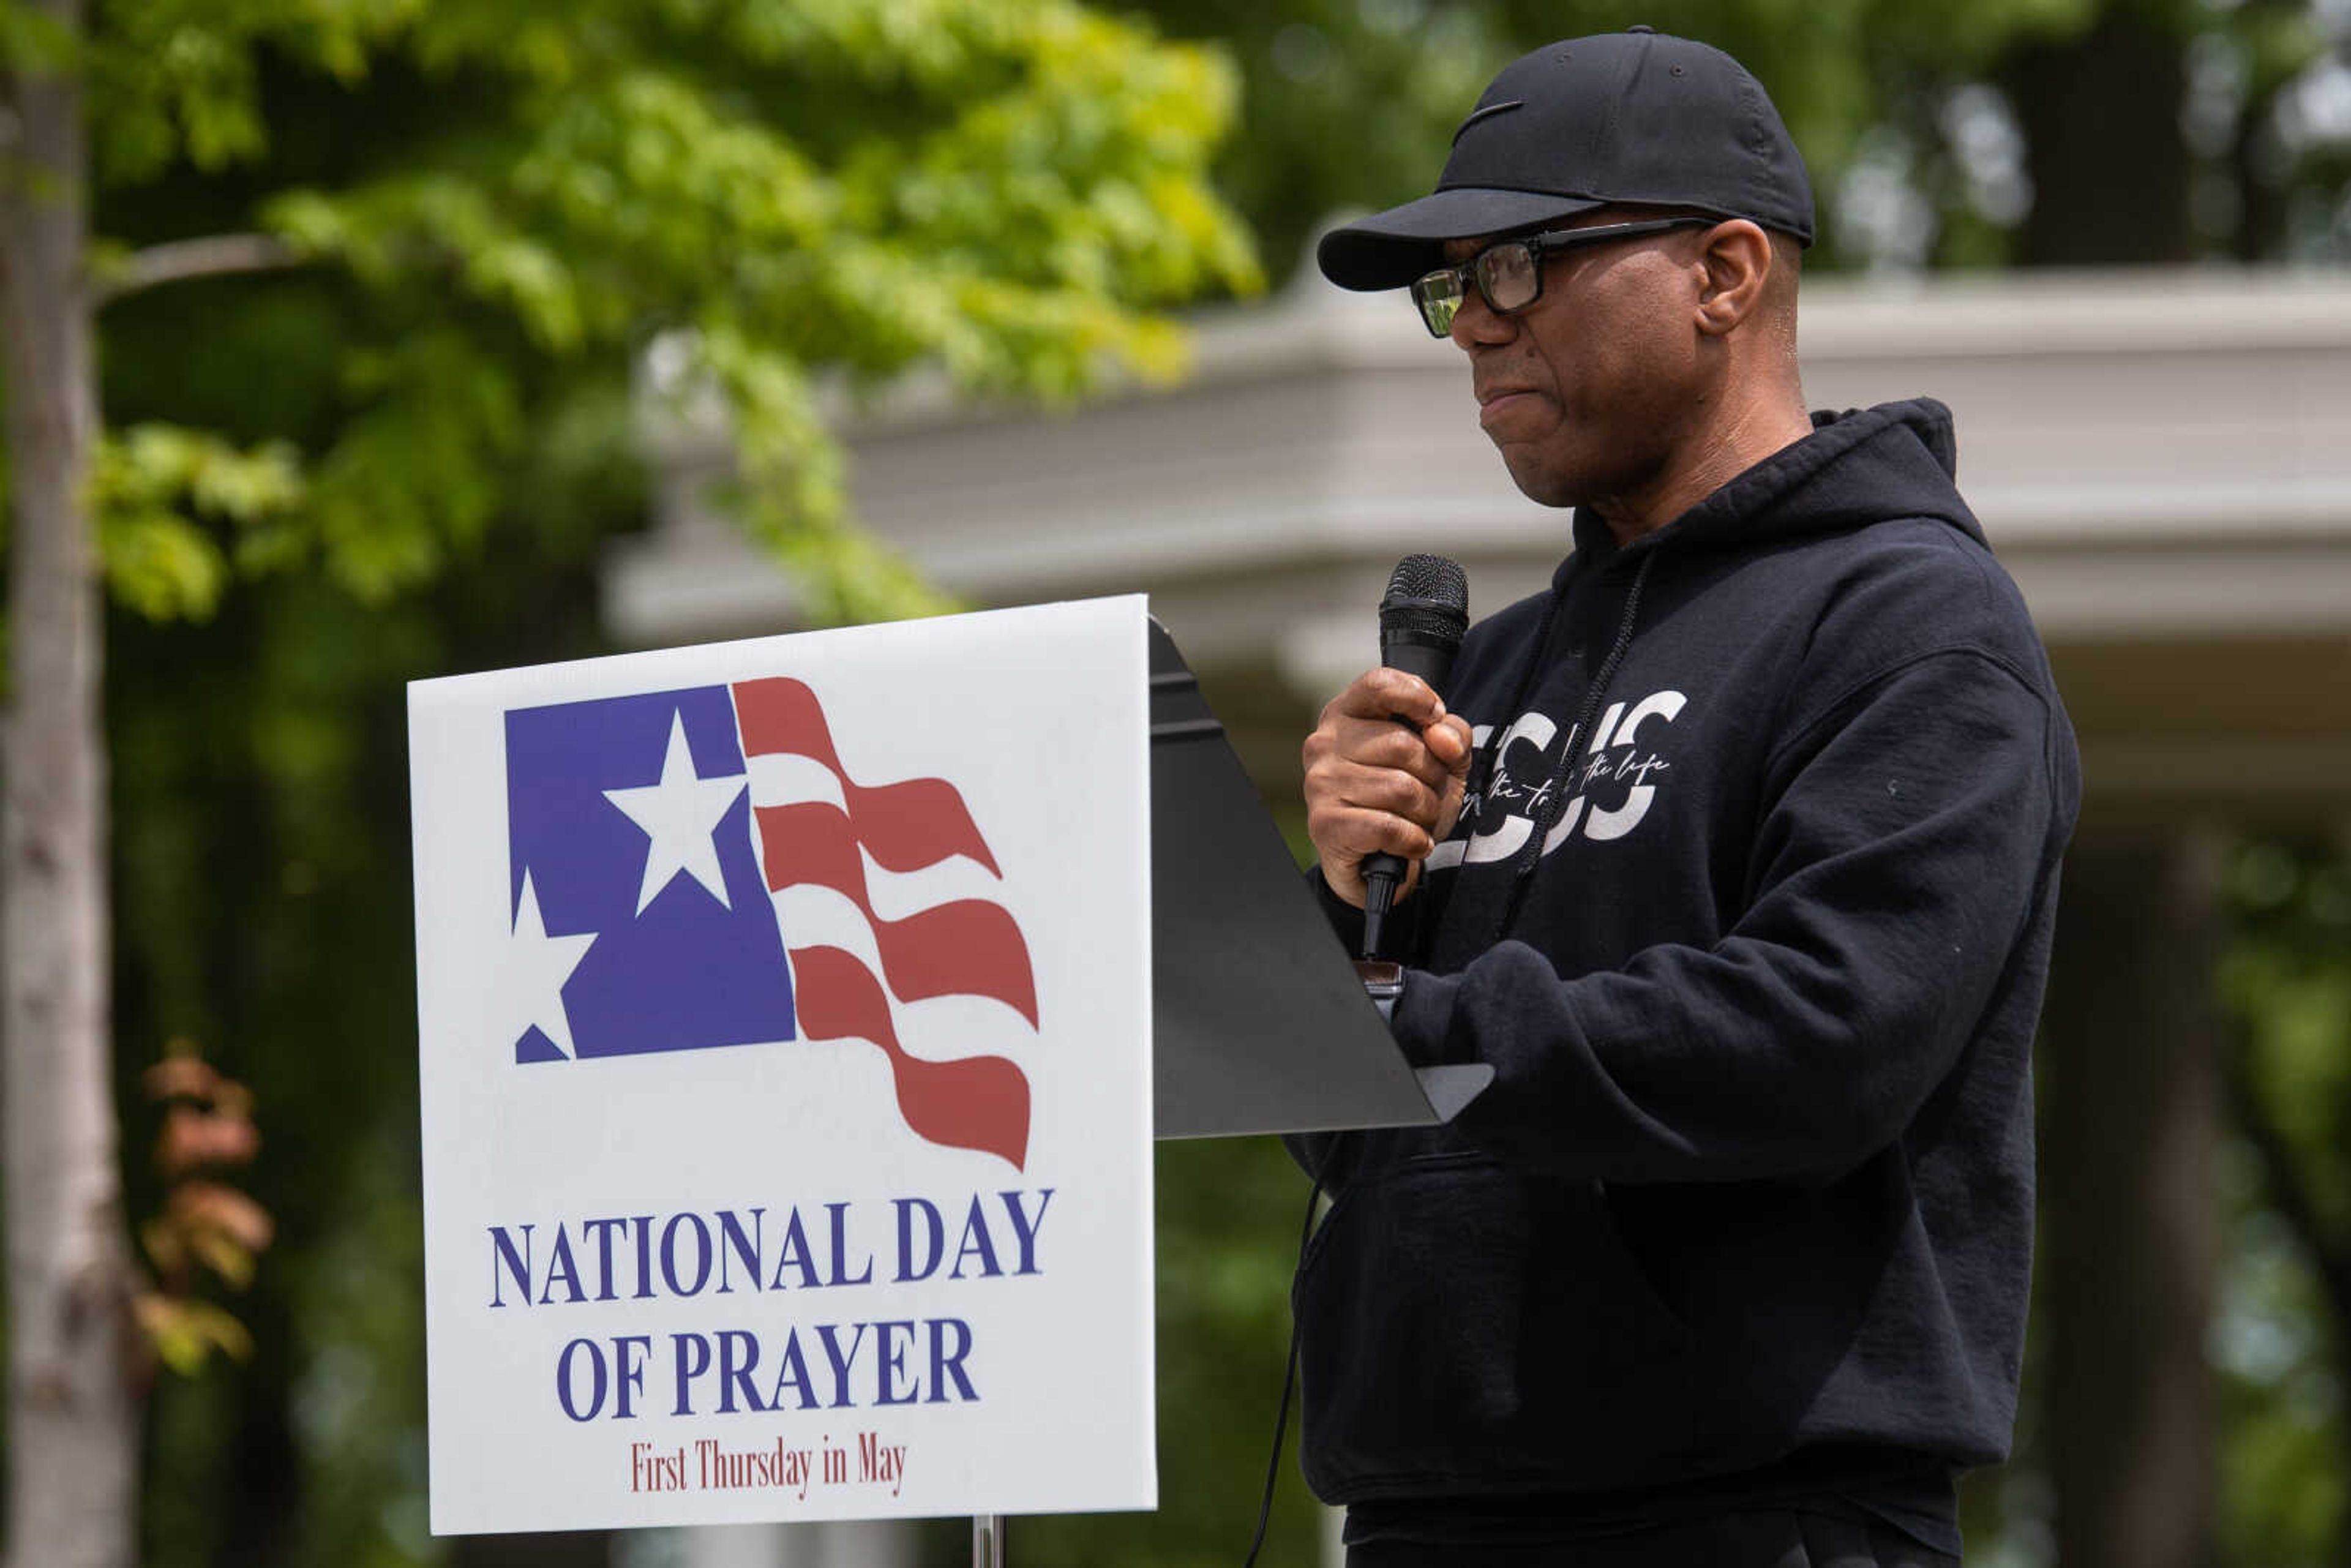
x=1439, y=293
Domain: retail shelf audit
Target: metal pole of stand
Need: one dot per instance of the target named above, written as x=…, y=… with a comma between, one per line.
x=987, y=1541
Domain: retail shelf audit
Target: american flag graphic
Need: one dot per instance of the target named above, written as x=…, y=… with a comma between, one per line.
x=699, y=867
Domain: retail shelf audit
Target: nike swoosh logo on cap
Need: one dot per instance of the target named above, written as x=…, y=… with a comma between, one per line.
x=1490, y=111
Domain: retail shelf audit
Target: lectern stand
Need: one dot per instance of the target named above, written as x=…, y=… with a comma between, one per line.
x=1259, y=1023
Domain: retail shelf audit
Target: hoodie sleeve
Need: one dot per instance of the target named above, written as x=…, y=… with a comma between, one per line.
x=1894, y=871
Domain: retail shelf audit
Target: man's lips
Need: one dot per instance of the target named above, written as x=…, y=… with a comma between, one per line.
x=1496, y=403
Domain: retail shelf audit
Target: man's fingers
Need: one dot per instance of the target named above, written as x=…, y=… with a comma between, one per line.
x=1383, y=693
x=1449, y=743
x=1383, y=765
x=1448, y=740
x=1347, y=834
x=1383, y=743
x=1385, y=790
x=1377, y=786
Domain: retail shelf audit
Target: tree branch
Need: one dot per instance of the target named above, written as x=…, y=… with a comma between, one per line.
x=216, y=255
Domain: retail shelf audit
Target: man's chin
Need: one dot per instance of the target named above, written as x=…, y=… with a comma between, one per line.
x=1543, y=487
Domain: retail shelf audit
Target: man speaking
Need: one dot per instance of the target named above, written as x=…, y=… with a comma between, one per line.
x=1734, y=854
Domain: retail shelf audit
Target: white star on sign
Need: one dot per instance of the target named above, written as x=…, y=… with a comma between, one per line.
x=537, y=967
x=679, y=815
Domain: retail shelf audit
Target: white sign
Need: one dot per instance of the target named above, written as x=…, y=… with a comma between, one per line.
x=784, y=1013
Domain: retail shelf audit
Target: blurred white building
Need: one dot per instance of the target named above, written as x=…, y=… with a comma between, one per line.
x=2161, y=458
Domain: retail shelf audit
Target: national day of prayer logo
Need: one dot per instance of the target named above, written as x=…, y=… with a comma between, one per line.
x=783, y=1021
x=653, y=875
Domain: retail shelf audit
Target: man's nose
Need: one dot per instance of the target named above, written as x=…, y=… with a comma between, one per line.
x=1475, y=322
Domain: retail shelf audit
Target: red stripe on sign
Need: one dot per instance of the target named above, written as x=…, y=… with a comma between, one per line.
x=969, y=947
x=904, y=826
x=971, y=1103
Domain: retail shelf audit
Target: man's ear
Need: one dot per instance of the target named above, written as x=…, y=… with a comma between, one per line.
x=1737, y=260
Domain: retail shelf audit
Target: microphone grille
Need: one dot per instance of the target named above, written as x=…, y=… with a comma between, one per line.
x=1427, y=598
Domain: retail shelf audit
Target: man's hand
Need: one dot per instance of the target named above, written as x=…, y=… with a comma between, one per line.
x=1375, y=785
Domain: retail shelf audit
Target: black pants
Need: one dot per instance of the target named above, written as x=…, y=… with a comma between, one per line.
x=1767, y=1538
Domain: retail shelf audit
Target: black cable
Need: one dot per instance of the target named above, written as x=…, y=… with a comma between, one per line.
x=1288, y=1385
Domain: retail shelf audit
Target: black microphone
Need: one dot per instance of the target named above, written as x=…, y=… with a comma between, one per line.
x=1421, y=619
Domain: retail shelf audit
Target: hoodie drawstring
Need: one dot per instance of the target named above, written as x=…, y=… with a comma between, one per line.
x=1547, y=816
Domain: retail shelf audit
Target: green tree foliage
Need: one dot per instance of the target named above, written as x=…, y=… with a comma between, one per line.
x=790, y=190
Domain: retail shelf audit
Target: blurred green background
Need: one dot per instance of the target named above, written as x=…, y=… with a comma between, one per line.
x=395, y=437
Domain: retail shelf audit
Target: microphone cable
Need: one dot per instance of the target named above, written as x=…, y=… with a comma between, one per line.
x=1288, y=1385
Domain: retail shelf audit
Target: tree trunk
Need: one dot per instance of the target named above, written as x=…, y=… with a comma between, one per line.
x=72, y=1411
x=2110, y=169
x=2129, y=1186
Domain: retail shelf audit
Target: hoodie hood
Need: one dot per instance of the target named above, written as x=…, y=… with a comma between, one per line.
x=1896, y=460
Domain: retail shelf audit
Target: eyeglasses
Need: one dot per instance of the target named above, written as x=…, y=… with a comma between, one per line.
x=1508, y=273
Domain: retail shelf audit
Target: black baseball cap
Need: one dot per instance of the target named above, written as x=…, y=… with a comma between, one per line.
x=1636, y=119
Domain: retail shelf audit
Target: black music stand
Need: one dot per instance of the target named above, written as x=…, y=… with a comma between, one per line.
x=1259, y=1022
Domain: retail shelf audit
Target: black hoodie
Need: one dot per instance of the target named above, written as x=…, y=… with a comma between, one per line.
x=1748, y=1207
